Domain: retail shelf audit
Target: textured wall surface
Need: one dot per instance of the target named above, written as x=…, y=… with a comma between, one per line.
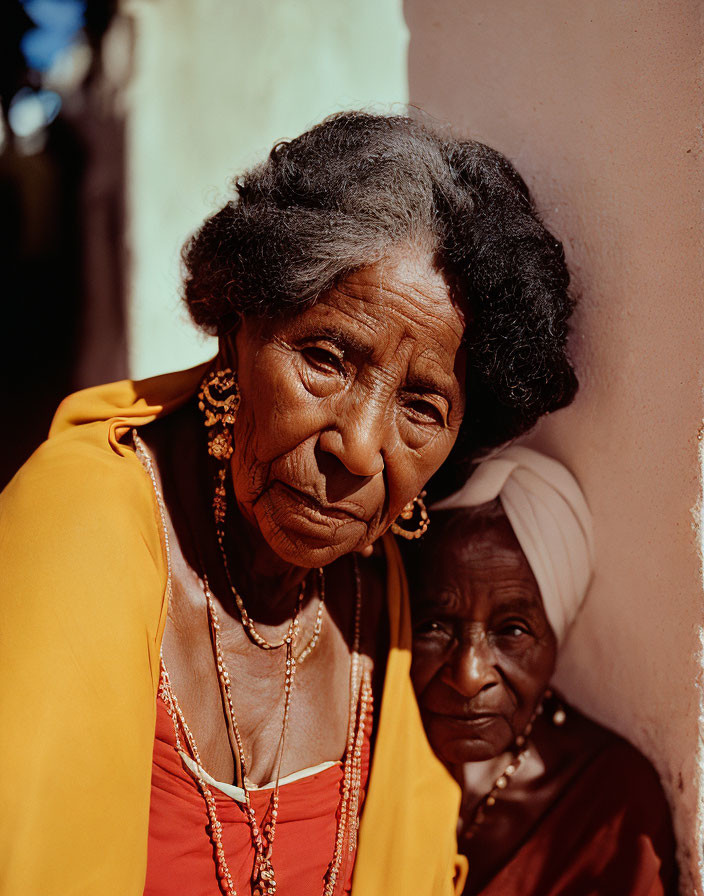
x=599, y=106
x=216, y=83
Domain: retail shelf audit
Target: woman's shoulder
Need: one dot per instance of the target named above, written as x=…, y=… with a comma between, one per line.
x=607, y=814
x=74, y=476
x=79, y=528
x=626, y=765
x=611, y=753
x=87, y=467
x=623, y=784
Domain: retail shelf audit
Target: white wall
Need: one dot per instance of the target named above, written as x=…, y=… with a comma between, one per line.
x=216, y=83
x=599, y=106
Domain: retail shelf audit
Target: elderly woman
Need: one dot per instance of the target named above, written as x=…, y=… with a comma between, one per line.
x=552, y=803
x=205, y=639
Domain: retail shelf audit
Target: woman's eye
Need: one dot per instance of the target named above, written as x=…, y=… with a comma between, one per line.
x=513, y=630
x=424, y=412
x=322, y=359
x=431, y=627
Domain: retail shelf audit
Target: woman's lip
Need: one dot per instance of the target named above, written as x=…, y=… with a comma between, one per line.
x=464, y=718
x=332, y=510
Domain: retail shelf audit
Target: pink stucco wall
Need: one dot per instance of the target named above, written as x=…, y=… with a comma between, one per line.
x=598, y=104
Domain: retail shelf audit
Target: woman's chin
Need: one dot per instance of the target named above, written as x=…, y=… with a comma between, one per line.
x=459, y=752
x=307, y=545
x=455, y=748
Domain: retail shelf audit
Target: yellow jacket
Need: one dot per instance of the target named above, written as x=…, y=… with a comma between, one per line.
x=82, y=585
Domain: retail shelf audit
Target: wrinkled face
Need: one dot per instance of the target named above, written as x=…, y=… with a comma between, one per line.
x=483, y=649
x=348, y=407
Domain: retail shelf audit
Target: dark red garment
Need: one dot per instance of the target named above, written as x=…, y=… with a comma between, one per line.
x=180, y=852
x=609, y=834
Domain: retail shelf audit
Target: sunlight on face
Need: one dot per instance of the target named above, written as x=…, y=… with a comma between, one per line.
x=348, y=407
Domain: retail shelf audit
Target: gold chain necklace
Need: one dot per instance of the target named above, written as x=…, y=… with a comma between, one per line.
x=263, y=877
x=220, y=514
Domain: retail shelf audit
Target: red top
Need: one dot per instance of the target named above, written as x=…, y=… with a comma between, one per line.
x=609, y=833
x=180, y=851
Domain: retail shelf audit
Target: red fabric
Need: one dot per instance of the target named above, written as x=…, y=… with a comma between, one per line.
x=609, y=834
x=180, y=852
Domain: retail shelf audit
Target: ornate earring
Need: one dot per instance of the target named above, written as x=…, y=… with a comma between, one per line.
x=219, y=399
x=407, y=514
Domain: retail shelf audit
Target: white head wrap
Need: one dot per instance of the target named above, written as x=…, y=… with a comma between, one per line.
x=551, y=520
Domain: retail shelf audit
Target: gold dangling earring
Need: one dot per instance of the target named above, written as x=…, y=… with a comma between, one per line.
x=219, y=400
x=407, y=514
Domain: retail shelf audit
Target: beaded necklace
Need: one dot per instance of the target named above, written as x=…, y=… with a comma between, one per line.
x=360, y=695
x=488, y=801
x=248, y=624
x=520, y=752
x=263, y=878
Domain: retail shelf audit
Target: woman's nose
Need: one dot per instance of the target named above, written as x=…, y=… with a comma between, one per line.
x=472, y=668
x=359, y=437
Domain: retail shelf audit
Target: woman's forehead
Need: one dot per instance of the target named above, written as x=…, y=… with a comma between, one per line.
x=431, y=336
x=406, y=290
x=474, y=552
x=475, y=536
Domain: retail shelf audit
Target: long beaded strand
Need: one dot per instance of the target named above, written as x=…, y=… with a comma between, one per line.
x=263, y=874
x=318, y=626
x=360, y=692
x=360, y=698
x=520, y=752
x=351, y=779
x=227, y=885
x=351, y=776
x=146, y=461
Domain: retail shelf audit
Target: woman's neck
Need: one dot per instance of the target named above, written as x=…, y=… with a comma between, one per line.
x=477, y=778
x=269, y=585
